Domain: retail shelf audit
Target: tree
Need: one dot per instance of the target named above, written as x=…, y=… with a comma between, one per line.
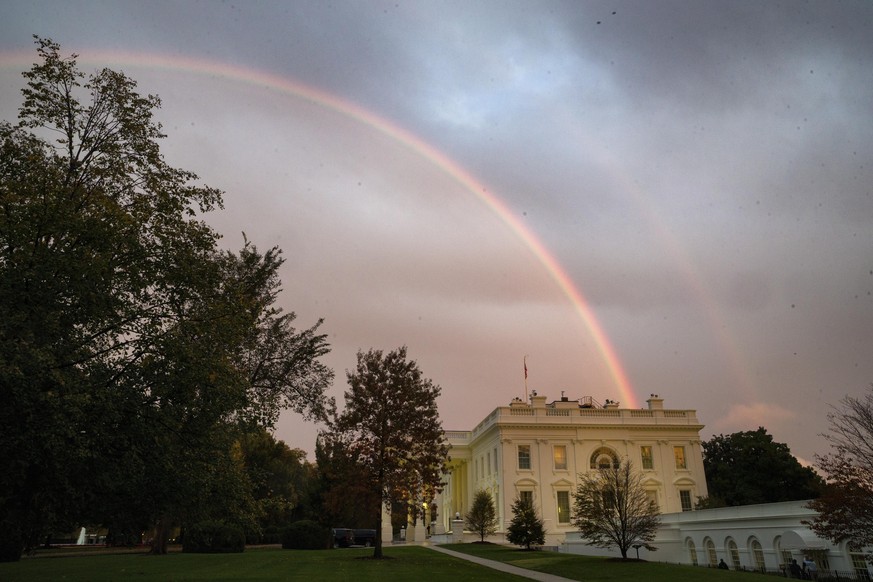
x=611, y=509
x=345, y=495
x=526, y=528
x=845, y=510
x=482, y=517
x=280, y=477
x=746, y=468
x=391, y=429
x=132, y=349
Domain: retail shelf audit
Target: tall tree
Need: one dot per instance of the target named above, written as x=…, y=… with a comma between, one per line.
x=749, y=467
x=482, y=517
x=845, y=510
x=526, y=528
x=611, y=509
x=392, y=430
x=131, y=347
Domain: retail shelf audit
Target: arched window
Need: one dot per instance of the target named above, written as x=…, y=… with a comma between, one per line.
x=757, y=554
x=710, y=552
x=692, y=552
x=604, y=458
x=859, y=563
x=784, y=556
x=734, y=553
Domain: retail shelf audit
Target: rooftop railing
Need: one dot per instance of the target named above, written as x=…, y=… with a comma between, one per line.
x=582, y=416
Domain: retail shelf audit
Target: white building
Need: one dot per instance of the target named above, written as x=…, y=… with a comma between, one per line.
x=765, y=537
x=537, y=449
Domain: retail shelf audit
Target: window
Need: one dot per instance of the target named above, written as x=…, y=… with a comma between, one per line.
x=563, y=507
x=859, y=563
x=784, y=555
x=692, y=552
x=685, y=499
x=559, y=452
x=603, y=458
x=524, y=456
x=734, y=552
x=679, y=456
x=652, y=496
x=710, y=552
x=758, y=554
x=526, y=496
x=646, y=454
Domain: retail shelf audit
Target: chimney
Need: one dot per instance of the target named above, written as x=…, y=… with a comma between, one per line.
x=537, y=401
x=655, y=402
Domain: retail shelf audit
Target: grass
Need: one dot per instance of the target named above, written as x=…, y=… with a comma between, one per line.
x=596, y=569
x=406, y=563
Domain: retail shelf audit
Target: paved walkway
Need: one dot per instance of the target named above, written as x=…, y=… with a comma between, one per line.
x=523, y=572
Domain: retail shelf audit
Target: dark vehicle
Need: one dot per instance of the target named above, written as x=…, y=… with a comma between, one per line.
x=365, y=537
x=342, y=537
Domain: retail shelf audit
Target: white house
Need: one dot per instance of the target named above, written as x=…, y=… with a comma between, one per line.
x=537, y=449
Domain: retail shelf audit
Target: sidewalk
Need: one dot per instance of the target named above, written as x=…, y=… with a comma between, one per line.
x=523, y=572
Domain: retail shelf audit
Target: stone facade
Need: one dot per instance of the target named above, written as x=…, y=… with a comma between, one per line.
x=537, y=449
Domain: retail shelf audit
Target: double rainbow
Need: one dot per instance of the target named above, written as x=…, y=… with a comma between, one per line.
x=288, y=86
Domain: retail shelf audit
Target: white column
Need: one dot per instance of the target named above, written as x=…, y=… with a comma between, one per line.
x=387, y=530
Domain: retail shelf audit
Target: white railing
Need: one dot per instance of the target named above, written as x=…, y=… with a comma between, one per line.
x=576, y=416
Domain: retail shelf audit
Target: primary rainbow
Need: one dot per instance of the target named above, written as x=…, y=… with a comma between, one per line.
x=452, y=168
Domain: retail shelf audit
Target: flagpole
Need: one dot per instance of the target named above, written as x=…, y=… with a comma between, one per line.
x=525, y=377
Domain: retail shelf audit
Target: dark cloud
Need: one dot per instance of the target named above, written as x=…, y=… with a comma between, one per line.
x=700, y=171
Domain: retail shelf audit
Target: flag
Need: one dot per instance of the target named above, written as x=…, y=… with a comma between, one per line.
x=525, y=369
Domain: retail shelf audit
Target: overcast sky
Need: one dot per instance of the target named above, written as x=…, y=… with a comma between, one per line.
x=700, y=172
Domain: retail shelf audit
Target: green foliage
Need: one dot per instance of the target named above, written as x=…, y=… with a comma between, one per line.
x=306, y=535
x=132, y=349
x=482, y=517
x=526, y=528
x=746, y=468
x=280, y=477
x=845, y=510
x=391, y=429
x=213, y=537
x=611, y=509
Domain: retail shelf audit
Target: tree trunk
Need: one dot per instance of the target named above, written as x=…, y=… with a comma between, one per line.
x=377, y=545
x=162, y=534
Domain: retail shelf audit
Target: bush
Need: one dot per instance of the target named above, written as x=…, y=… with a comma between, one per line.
x=305, y=535
x=213, y=537
x=272, y=535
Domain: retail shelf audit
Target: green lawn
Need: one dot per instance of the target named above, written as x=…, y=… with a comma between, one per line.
x=593, y=569
x=408, y=563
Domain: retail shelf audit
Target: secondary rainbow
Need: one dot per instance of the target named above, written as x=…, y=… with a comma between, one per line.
x=410, y=140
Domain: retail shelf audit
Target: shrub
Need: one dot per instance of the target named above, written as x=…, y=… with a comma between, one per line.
x=305, y=535
x=213, y=537
x=272, y=535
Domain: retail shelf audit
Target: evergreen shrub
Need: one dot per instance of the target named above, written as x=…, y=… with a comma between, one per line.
x=306, y=535
x=213, y=537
